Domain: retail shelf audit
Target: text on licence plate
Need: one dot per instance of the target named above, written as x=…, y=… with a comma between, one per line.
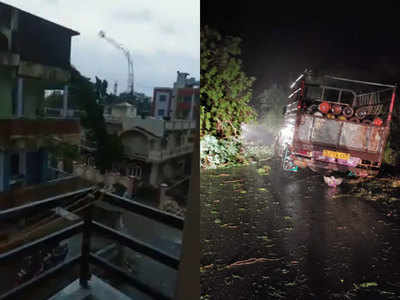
x=335, y=154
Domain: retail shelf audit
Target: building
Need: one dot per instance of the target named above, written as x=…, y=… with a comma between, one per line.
x=34, y=57
x=186, y=99
x=177, y=102
x=119, y=110
x=162, y=101
x=157, y=149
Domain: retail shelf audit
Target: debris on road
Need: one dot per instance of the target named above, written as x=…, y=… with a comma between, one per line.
x=252, y=261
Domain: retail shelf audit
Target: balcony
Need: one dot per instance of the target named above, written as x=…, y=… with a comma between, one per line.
x=112, y=119
x=11, y=129
x=58, y=113
x=158, y=155
x=153, y=125
x=91, y=274
x=9, y=59
x=163, y=155
x=135, y=155
x=180, y=125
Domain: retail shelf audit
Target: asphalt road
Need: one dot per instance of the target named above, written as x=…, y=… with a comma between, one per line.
x=273, y=237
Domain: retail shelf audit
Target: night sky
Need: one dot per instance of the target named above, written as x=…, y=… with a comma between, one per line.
x=279, y=42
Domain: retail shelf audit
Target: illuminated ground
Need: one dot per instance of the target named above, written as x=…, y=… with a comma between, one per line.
x=264, y=237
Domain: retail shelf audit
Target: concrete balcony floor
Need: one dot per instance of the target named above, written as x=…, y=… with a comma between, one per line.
x=98, y=290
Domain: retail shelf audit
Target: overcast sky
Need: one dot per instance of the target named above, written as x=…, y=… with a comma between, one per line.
x=162, y=36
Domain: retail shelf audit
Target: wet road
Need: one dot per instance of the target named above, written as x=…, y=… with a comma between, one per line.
x=267, y=237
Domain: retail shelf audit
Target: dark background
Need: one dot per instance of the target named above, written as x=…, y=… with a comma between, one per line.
x=358, y=40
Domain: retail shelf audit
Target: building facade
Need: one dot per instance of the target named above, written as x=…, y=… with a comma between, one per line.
x=162, y=101
x=155, y=150
x=34, y=57
x=177, y=102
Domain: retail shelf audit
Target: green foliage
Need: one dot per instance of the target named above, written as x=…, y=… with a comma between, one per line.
x=101, y=90
x=219, y=152
x=64, y=150
x=269, y=105
x=390, y=156
x=54, y=100
x=225, y=89
x=109, y=147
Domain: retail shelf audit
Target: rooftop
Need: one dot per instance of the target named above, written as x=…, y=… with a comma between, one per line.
x=68, y=30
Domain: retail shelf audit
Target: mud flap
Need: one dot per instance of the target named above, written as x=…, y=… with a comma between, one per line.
x=287, y=162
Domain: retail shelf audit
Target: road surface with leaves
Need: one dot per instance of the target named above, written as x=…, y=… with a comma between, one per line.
x=267, y=236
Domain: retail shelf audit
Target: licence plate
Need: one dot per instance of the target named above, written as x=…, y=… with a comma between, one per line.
x=335, y=154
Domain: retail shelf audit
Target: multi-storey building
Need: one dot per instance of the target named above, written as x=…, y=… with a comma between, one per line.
x=157, y=149
x=177, y=102
x=34, y=57
x=162, y=101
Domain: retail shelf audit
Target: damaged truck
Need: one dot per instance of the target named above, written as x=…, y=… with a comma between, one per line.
x=335, y=126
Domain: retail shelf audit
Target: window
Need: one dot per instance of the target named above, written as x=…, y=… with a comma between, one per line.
x=347, y=97
x=135, y=171
x=162, y=98
x=161, y=112
x=331, y=95
x=187, y=99
x=313, y=92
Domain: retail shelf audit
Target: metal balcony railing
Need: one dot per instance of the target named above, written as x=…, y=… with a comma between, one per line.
x=58, y=113
x=157, y=155
x=88, y=227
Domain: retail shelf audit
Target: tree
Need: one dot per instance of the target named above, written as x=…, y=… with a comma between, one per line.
x=109, y=147
x=101, y=89
x=269, y=106
x=225, y=89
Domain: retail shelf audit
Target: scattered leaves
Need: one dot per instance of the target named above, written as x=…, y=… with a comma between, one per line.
x=223, y=175
x=368, y=284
